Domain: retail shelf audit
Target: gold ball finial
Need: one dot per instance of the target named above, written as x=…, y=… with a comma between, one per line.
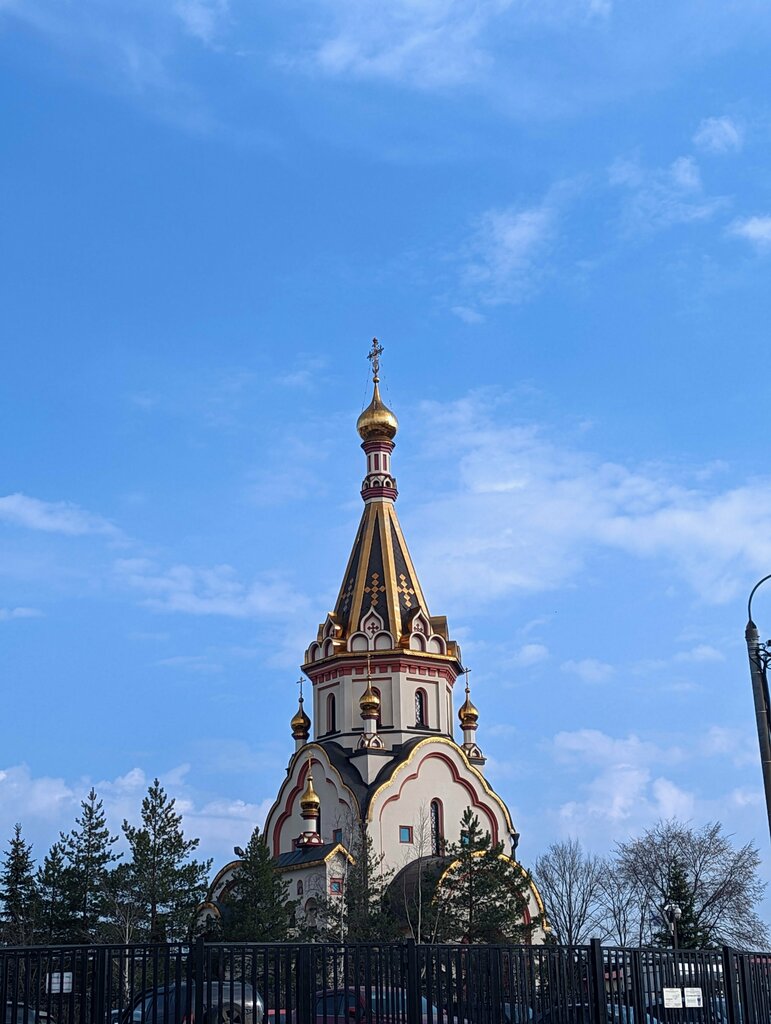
x=309, y=801
x=377, y=422
x=467, y=713
x=369, y=702
x=301, y=724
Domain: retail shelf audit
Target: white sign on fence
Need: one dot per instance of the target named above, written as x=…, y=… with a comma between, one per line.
x=673, y=999
x=60, y=982
x=693, y=997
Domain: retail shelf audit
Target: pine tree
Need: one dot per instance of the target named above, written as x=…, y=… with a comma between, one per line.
x=680, y=894
x=87, y=852
x=165, y=884
x=52, y=883
x=18, y=892
x=483, y=892
x=258, y=905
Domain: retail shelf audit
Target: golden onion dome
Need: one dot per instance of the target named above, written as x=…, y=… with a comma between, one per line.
x=377, y=421
x=300, y=723
x=468, y=714
x=369, y=703
x=309, y=801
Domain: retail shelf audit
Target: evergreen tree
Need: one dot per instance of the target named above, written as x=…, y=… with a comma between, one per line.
x=18, y=892
x=679, y=893
x=483, y=892
x=162, y=882
x=88, y=853
x=258, y=904
x=53, y=889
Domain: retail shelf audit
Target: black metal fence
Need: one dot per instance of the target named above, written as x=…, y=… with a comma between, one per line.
x=394, y=983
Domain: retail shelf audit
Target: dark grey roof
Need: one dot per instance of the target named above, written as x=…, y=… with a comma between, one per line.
x=341, y=760
x=305, y=855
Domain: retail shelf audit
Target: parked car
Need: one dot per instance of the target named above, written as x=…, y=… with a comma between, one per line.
x=582, y=1013
x=225, y=1002
x=351, y=1006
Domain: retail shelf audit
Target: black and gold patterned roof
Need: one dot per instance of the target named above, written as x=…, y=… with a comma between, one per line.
x=379, y=576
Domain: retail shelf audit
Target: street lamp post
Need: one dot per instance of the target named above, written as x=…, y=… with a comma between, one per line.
x=673, y=913
x=760, y=656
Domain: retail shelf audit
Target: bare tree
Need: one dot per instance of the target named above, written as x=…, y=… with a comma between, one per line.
x=718, y=882
x=569, y=881
x=625, y=911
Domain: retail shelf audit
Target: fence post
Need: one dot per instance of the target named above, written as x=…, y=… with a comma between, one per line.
x=597, y=988
x=304, y=985
x=413, y=984
x=749, y=1013
x=730, y=986
x=98, y=1007
x=199, y=979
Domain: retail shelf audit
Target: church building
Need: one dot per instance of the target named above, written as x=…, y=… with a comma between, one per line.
x=379, y=748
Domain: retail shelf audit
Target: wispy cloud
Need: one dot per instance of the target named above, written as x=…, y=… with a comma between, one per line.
x=756, y=230
x=719, y=135
x=504, y=259
x=19, y=613
x=663, y=197
x=589, y=670
x=526, y=513
x=53, y=517
x=531, y=654
x=201, y=590
x=203, y=19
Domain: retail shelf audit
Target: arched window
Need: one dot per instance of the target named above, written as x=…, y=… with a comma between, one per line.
x=300, y=889
x=420, y=708
x=437, y=828
x=331, y=718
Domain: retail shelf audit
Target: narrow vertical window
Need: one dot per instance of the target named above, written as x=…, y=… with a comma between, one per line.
x=331, y=719
x=379, y=719
x=437, y=828
x=420, y=708
x=377, y=462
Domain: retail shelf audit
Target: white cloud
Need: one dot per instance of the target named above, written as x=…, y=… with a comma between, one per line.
x=468, y=315
x=589, y=670
x=701, y=652
x=53, y=517
x=663, y=197
x=525, y=514
x=756, y=230
x=719, y=135
x=504, y=259
x=203, y=19
x=216, y=590
x=46, y=805
x=19, y=613
x=531, y=654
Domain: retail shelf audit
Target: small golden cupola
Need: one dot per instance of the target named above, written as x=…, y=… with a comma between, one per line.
x=469, y=719
x=377, y=422
x=309, y=801
x=369, y=705
x=300, y=724
x=310, y=808
x=370, y=702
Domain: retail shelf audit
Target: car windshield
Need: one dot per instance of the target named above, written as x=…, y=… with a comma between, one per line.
x=21, y=1016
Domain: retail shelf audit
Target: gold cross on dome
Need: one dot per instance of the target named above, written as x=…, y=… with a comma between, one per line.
x=374, y=357
x=300, y=684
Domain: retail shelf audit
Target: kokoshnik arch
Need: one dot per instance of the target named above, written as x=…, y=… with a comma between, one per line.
x=383, y=752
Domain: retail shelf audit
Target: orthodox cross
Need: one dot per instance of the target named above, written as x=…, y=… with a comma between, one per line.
x=374, y=358
x=468, y=689
x=369, y=667
x=300, y=684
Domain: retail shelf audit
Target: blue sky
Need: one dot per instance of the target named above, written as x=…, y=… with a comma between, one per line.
x=557, y=218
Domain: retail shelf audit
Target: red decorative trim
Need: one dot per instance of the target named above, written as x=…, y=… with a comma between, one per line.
x=287, y=812
x=354, y=667
x=456, y=777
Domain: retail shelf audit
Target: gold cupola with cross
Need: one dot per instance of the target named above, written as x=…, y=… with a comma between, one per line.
x=381, y=619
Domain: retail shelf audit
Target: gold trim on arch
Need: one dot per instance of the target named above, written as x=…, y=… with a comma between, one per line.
x=443, y=741
x=525, y=874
